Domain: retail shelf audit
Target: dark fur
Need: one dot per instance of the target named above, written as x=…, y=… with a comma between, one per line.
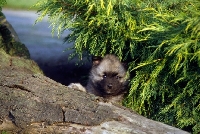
x=107, y=78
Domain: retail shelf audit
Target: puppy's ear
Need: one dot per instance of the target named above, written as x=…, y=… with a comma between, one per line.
x=125, y=65
x=96, y=60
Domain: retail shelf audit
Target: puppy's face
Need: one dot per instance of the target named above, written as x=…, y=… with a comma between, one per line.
x=108, y=76
x=110, y=84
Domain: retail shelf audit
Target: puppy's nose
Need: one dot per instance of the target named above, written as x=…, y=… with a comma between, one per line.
x=109, y=86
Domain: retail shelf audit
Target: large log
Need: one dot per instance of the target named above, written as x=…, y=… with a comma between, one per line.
x=32, y=103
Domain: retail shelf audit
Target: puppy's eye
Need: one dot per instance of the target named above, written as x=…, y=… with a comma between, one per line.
x=118, y=77
x=104, y=76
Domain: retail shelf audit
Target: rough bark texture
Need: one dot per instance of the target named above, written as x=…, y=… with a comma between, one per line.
x=31, y=103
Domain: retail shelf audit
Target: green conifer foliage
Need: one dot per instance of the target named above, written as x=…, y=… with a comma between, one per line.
x=158, y=38
x=166, y=86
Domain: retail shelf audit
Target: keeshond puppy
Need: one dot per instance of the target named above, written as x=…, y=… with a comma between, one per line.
x=108, y=78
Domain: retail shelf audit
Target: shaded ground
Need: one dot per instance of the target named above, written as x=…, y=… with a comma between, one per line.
x=46, y=50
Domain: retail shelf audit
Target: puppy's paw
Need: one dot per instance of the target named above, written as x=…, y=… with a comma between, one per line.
x=77, y=86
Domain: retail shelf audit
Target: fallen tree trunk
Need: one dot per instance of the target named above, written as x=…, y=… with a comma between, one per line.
x=32, y=103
